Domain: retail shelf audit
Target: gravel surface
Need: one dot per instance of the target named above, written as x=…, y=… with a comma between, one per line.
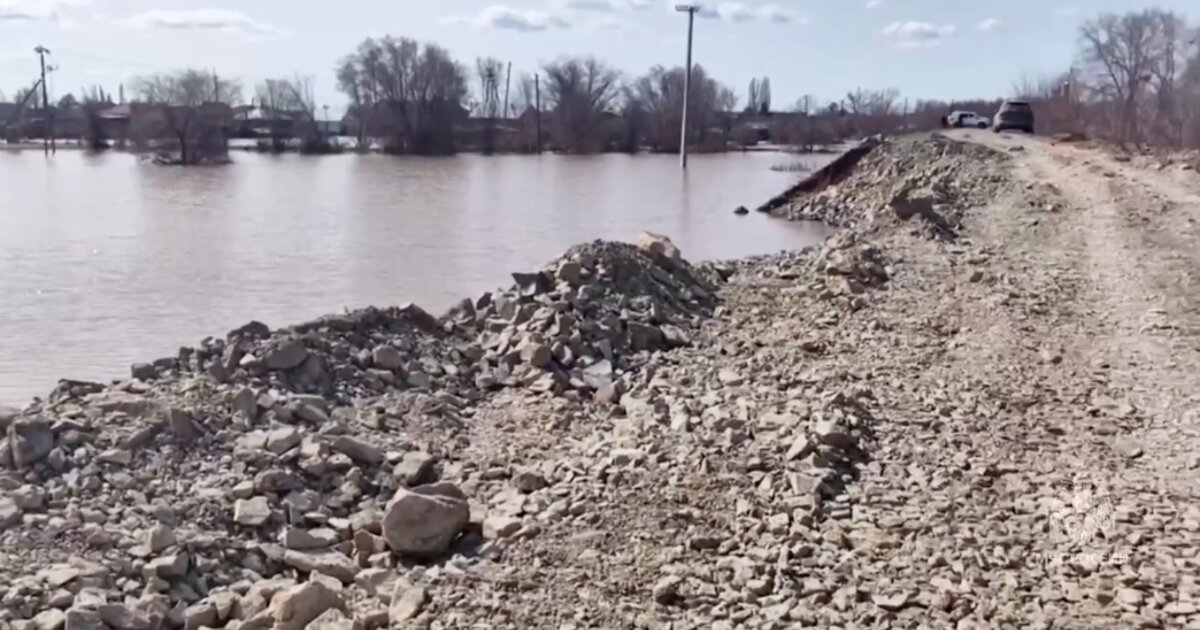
x=973, y=407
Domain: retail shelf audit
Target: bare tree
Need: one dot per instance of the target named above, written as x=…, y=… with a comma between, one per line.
x=192, y=111
x=1133, y=59
x=93, y=101
x=873, y=111
x=579, y=92
x=658, y=95
x=410, y=94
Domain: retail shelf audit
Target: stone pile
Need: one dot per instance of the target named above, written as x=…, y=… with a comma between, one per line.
x=590, y=315
x=945, y=173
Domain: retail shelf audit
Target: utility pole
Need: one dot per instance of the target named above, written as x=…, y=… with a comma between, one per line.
x=691, y=10
x=537, y=99
x=507, y=78
x=808, y=114
x=42, y=51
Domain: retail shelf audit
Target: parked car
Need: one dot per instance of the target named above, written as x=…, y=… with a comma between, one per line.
x=1016, y=115
x=967, y=119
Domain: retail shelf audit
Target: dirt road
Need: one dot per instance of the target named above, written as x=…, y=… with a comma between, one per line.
x=1071, y=384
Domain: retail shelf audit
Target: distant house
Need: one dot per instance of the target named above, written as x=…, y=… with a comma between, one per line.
x=265, y=122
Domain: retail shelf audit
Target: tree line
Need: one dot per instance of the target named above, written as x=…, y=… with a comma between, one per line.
x=1136, y=79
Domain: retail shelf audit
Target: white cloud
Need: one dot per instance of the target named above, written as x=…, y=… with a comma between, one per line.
x=506, y=18
x=203, y=20
x=604, y=6
x=874, y=4
x=992, y=25
x=779, y=15
x=741, y=12
x=29, y=10
x=914, y=34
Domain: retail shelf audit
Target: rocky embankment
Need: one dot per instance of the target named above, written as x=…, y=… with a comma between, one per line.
x=874, y=433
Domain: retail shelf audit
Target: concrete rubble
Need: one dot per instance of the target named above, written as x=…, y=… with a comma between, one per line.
x=849, y=436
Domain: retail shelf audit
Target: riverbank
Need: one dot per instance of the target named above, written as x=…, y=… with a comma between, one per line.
x=911, y=424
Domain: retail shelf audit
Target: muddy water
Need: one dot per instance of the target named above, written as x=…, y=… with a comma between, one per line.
x=105, y=261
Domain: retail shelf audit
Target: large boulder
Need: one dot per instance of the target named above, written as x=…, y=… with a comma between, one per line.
x=30, y=440
x=286, y=355
x=657, y=246
x=294, y=608
x=425, y=520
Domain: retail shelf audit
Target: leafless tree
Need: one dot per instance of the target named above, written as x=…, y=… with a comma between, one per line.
x=579, y=92
x=659, y=96
x=93, y=101
x=192, y=111
x=410, y=94
x=873, y=111
x=1133, y=63
x=290, y=106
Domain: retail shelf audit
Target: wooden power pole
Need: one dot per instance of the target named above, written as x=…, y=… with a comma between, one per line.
x=48, y=120
x=537, y=99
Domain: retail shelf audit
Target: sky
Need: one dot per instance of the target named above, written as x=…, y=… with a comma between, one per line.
x=925, y=48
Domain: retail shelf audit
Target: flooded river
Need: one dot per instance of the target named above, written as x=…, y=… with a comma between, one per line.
x=105, y=261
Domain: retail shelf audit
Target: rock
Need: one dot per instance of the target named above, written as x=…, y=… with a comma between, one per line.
x=304, y=540
x=891, y=603
x=10, y=514
x=538, y=355
x=169, y=567
x=296, y=607
x=644, y=337
x=332, y=619
x=80, y=619
x=657, y=246
x=1181, y=609
x=387, y=358
x=283, y=439
x=49, y=619
x=666, y=590
x=424, y=521
x=143, y=371
x=358, y=450
x=118, y=456
x=30, y=440
x=159, y=538
x=120, y=617
x=831, y=433
x=285, y=356
x=500, y=526
x=201, y=615
x=329, y=563
x=570, y=271
x=529, y=481
x=532, y=284
x=414, y=468
x=251, y=512
x=730, y=378
x=800, y=448
x=1128, y=449
x=407, y=602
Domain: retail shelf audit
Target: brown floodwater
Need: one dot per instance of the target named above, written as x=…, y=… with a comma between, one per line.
x=105, y=261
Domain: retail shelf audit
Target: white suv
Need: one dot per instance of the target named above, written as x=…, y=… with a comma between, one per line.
x=968, y=119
